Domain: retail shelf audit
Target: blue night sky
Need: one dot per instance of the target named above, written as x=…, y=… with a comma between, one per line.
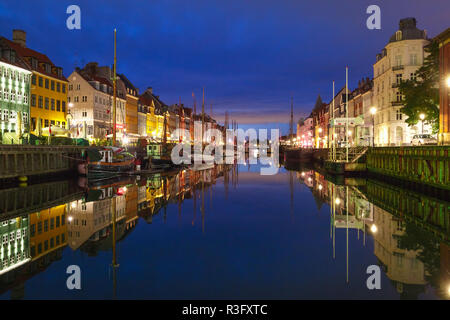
x=250, y=56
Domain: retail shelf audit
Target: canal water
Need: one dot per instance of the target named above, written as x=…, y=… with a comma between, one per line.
x=223, y=233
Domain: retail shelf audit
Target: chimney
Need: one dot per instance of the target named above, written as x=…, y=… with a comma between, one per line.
x=20, y=37
x=150, y=90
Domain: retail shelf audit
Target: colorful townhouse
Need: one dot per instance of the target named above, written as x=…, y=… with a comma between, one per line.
x=48, y=100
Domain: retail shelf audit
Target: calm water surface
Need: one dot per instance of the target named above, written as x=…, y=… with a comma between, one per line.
x=223, y=233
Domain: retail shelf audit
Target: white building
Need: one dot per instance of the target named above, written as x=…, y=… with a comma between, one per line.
x=399, y=60
x=90, y=96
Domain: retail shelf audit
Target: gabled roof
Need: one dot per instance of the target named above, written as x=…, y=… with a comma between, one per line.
x=25, y=53
x=129, y=85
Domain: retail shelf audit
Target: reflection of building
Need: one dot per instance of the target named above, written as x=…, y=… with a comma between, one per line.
x=47, y=231
x=401, y=266
x=90, y=220
x=14, y=238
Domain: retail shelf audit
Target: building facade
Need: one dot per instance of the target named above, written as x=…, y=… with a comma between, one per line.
x=14, y=98
x=48, y=100
x=90, y=103
x=398, y=61
x=305, y=132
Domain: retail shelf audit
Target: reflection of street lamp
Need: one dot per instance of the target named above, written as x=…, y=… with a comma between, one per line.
x=373, y=110
x=448, y=81
x=337, y=201
x=422, y=117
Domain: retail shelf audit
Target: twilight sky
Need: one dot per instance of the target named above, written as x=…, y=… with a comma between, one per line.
x=250, y=56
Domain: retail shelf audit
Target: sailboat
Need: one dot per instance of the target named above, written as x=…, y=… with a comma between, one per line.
x=105, y=162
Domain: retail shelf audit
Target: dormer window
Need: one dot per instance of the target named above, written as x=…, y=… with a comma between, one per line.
x=48, y=68
x=398, y=35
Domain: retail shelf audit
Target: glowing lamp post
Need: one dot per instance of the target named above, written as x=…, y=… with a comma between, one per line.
x=422, y=117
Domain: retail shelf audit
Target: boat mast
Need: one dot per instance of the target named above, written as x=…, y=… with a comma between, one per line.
x=203, y=114
x=114, y=91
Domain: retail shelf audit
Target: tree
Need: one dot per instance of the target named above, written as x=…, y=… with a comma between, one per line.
x=421, y=94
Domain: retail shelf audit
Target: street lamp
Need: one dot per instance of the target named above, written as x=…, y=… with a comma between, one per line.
x=448, y=81
x=373, y=110
x=422, y=117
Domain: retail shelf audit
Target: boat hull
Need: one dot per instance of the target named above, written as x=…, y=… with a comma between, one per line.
x=104, y=169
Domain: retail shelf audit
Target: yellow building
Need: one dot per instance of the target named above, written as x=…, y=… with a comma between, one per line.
x=48, y=231
x=48, y=99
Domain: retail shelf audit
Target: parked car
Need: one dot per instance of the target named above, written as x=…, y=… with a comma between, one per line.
x=423, y=139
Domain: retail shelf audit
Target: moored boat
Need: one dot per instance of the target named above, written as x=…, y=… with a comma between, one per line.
x=106, y=162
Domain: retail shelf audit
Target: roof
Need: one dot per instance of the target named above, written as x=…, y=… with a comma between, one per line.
x=24, y=52
x=409, y=30
x=129, y=85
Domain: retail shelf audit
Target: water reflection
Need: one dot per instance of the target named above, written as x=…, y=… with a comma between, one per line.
x=97, y=216
x=258, y=230
x=410, y=229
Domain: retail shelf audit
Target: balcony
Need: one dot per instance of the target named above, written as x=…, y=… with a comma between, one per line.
x=397, y=103
x=395, y=85
x=398, y=68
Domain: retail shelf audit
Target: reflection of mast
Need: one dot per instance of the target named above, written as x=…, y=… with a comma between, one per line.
x=203, y=204
x=346, y=209
x=114, y=258
x=195, y=195
x=291, y=187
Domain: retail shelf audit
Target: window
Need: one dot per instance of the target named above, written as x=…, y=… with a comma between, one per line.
x=52, y=223
x=52, y=122
x=33, y=100
x=41, y=82
x=57, y=221
x=52, y=85
x=39, y=248
x=39, y=228
x=399, y=96
x=398, y=35
x=398, y=78
x=33, y=79
x=58, y=87
x=58, y=105
x=63, y=107
x=398, y=61
x=84, y=114
x=46, y=225
x=40, y=104
x=53, y=104
x=52, y=242
x=46, y=123
x=413, y=59
x=413, y=76
x=64, y=88
x=33, y=124
x=46, y=83
x=45, y=245
x=47, y=102
x=84, y=99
